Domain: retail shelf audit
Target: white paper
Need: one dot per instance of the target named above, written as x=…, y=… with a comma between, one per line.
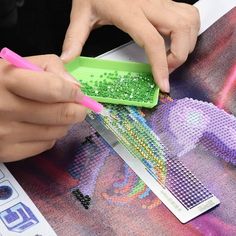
x=18, y=214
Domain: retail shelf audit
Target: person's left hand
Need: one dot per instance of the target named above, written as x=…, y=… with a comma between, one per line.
x=146, y=21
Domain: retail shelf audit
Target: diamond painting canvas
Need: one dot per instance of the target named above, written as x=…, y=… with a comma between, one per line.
x=83, y=187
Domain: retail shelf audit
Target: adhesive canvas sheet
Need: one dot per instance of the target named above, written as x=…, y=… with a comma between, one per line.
x=83, y=188
x=129, y=134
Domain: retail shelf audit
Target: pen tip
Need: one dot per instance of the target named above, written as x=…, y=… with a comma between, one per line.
x=104, y=112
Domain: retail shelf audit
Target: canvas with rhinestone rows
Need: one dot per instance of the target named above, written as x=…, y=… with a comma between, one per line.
x=128, y=133
x=83, y=169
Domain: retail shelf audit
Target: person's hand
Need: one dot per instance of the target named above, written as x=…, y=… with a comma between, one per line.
x=146, y=21
x=36, y=108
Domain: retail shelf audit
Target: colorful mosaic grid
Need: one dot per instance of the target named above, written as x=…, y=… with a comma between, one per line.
x=133, y=131
x=186, y=123
x=86, y=165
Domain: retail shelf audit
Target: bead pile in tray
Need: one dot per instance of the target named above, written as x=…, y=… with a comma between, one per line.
x=115, y=82
x=137, y=87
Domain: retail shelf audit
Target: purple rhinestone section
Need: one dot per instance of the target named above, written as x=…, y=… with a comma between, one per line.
x=184, y=185
x=88, y=162
x=184, y=124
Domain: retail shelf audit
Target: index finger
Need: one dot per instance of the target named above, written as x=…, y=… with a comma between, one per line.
x=146, y=36
x=43, y=86
x=52, y=63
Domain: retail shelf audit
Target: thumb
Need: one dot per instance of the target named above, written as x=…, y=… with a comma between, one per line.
x=76, y=35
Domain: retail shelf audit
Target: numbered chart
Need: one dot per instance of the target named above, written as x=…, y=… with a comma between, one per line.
x=7, y=192
x=18, y=214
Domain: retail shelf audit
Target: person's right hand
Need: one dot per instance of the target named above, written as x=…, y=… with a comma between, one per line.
x=36, y=108
x=147, y=22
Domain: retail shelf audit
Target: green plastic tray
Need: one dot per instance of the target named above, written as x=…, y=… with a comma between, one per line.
x=116, y=82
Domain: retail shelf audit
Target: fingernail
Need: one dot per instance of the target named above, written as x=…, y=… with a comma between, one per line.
x=69, y=77
x=89, y=103
x=165, y=86
x=79, y=96
x=171, y=70
x=64, y=55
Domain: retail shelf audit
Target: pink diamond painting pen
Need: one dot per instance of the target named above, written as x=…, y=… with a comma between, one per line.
x=21, y=62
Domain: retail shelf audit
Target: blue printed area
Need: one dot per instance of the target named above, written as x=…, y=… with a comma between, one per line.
x=5, y=192
x=18, y=218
